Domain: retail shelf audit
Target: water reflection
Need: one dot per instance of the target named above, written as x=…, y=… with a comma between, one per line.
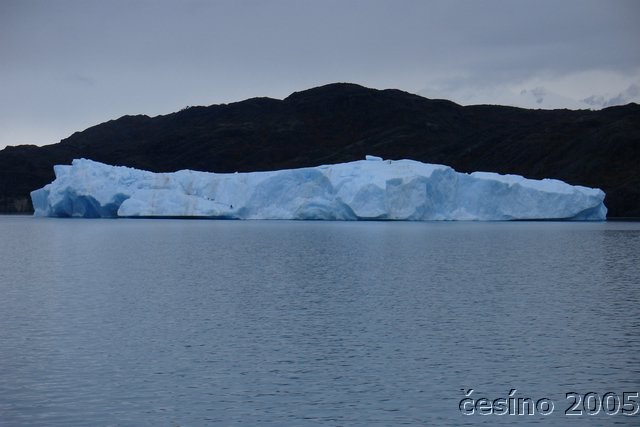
x=295, y=323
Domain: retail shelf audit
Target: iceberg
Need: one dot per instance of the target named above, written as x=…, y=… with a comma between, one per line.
x=370, y=189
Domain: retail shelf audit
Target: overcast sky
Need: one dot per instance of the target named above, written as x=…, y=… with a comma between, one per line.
x=66, y=65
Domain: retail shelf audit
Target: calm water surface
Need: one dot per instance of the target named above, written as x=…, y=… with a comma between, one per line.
x=178, y=322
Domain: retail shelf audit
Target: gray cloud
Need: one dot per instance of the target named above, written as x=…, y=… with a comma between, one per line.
x=630, y=94
x=539, y=93
x=75, y=62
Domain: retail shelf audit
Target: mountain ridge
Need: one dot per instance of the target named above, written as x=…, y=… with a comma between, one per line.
x=341, y=122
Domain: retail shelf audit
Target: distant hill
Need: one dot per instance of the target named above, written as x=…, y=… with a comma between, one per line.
x=343, y=122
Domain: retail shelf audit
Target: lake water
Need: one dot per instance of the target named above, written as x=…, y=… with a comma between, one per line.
x=195, y=322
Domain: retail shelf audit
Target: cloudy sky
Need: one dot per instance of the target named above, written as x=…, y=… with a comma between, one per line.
x=66, y=65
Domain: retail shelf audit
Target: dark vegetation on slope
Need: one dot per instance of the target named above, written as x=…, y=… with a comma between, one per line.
x=343, y=122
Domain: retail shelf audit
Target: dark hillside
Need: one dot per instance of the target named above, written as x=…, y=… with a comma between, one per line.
x=343, y=122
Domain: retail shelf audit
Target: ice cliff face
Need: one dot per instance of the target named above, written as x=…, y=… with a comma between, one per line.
x=372, y=189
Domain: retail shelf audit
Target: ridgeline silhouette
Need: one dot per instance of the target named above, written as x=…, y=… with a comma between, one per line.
x=342, y=122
